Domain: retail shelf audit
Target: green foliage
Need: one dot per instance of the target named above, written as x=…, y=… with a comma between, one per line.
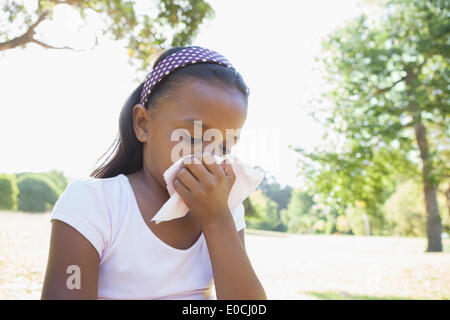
x=343, y=225
x=249, y=209
x=59, y=180
x=8, y=192
x=365, y=221
x=147, y=27
x=264, y=212
x=387, y=77
x=303, y=215
x=37, y=192
x=405, y=210
x=280, y=195
x=299, y=206
x=271, y=188
x=341, y=180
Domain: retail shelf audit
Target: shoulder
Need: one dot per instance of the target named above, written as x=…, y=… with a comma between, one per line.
x=86, y=205
x=89, y=190
x=82, y=189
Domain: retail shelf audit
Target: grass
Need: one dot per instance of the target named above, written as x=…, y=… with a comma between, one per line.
x=340, y=295
x=336, y=295
x=289, y=266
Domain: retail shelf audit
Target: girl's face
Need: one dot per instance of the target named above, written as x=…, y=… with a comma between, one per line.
x=217, y=106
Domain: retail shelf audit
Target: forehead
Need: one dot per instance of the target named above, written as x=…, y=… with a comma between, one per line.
x=215, y=104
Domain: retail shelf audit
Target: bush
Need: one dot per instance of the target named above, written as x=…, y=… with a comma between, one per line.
x=297, y=217
x=265, y=214
x=37, y=192
x=357, y=219
x=59, y=180
x=405, y=210
x=343, y=225
x=8, y=192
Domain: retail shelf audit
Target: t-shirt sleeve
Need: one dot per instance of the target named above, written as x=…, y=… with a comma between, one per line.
x=238, y=216
x=82, y=206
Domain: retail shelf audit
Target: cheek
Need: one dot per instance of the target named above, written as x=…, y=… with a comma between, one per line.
x=162, y=148
x=157, y=150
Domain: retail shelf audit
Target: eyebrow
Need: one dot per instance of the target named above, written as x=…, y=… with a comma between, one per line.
x=191, y=121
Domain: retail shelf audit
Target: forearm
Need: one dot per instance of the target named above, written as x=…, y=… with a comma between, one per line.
x=234, y=277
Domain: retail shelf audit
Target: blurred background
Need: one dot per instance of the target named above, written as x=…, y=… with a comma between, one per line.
x=349, y=118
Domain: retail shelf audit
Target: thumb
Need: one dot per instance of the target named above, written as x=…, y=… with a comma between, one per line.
x=229, y=172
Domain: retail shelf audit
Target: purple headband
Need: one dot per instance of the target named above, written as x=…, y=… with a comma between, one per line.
x=177, y=60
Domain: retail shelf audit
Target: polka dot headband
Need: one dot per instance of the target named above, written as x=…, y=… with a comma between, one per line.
x=177, y=60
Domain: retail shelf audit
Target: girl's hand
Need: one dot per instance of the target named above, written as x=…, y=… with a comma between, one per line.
x=205, y=186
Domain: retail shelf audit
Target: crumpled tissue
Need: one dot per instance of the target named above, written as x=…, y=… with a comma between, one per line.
x=247, y=180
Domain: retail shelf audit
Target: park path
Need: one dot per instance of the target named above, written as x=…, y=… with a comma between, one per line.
x=288, y=266
x=295, y=266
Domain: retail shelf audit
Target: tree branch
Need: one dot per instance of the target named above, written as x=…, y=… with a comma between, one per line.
x=48, y=46
x=408, y=75
x=380, y=91
x=26, y=37
x=68, y=2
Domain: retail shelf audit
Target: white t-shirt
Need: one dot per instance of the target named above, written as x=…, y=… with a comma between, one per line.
x=134, y=262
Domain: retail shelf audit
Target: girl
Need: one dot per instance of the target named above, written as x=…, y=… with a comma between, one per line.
x=103, y=245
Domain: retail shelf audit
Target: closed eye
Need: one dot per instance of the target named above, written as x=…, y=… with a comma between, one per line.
x=193, y=140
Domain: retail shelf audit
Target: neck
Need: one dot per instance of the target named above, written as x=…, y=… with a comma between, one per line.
x=152, y=184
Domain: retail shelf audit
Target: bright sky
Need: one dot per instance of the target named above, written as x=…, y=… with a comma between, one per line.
x=60, y=109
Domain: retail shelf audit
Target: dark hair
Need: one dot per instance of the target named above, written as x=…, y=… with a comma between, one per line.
x=126, y=155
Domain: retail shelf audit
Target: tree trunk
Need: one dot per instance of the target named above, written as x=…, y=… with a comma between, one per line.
x=434, y=226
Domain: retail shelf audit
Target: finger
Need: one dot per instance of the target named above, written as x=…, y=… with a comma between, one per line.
x=211, y=164
x=223, y=164
x=197, y=169
x=227, y=169
x=229, y=172
x=181, y=189
x=186, y=177
x=193, y=158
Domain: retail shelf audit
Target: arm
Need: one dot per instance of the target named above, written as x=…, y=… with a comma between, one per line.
x=205, y=189
x=234, y=277
x=68, y=247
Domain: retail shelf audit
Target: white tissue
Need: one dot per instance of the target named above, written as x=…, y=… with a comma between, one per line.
x=247, y=180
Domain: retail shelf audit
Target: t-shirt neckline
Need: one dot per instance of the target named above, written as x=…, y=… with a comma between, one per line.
x=149, y=233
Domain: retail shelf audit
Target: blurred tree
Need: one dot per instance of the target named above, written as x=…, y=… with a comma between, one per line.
x=59, y=179
x=274, y=191
x=265, y=212
x=390, y=91
x=37, y=192
x=405, y=210
x=146, y=35
x=295, y=216
x=250, y=210
x=8, y=191
x=447, y=196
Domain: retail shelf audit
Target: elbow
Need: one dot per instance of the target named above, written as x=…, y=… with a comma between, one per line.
x=262, y=295
x=259, y=295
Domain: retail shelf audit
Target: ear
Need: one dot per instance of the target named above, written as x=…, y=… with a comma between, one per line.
x=141, y=121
